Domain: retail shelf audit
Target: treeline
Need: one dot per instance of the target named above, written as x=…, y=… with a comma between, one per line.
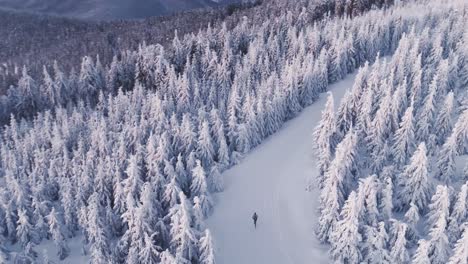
x=133, y=176
x=391, y=157
x=38, y=41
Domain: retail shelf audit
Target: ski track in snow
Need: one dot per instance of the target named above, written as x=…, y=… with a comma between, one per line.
x=272, y=181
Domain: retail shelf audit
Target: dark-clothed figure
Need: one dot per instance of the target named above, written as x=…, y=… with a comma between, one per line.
x=255, y=217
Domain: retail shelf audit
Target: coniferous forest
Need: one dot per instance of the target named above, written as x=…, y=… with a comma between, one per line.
x=121, y=143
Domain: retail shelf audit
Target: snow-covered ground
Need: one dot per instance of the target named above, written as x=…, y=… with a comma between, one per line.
x=272, y=180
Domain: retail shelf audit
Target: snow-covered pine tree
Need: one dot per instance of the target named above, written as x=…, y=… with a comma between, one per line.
x=374, y=246
x=412, y=217
x=56, y=232
x=404, y=139
x=421, y=256
x=386, y=200
x=134, y=181
x=216, y=179
x=96, y=230
x=459, y=213
x=206, y=247
x=460, y=252
x=183, y=237
x=413, y=183
x=345, y=237
x=446, y=166
x=205, y=145
x=150, y=252
x=367, y=200
x=337, y=177
x=171, y=193
x=425, y=117
x=24, y=229
x=439, y=244
x=443, y=122
x=397, y=245
x=439, y=206
x=199, y=188
x=323, y=139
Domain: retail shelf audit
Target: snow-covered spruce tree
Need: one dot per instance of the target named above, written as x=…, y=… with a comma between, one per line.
x=324, y=139
x=183, y=237
x=439, y=247
x=56, y=232
x=446, y=161
x=398, y=251
x=439, y=244
x=386, y=198
x=133, y=182
x=367, y=200
x=207, y=255
x=375, y=245
x=69, y=210
x=182, y=175
x=460, y=252
x=413, y=183
x=333, y=194
x=426, y=114
x=171, y=193
x=345, y=237
x=412, y=218
x=348, y=109
x=199, y=188
x=443, y=123
x=459, y=213
x=439, y=206
x=150, y=252
x=460, y=132
x=380, y=130
x=421, y=256
x=96, y=231
x=404, y=139
x=216, y=179
x=24, y=229
x=205, y=143
x=329, y=208
x=198, y=214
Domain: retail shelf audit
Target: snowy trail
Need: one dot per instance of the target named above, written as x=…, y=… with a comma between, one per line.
x=271, y=180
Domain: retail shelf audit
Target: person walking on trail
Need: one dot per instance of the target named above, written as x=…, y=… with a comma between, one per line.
x=255, y=217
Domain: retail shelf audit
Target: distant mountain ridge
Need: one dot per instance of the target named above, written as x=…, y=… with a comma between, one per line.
x=109, y=9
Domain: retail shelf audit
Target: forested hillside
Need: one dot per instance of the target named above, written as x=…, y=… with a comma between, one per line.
x=39, y=40
x=124, y=150
x=391, y=157
x=107, y=9
x=126, y=155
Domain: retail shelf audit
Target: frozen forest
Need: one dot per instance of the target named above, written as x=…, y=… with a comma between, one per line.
x=391, y=155
x=120, y=156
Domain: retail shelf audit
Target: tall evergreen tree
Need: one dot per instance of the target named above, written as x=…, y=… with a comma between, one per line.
x=414, y=185
x=345, y=237
x=56, y=232
x=460, y=254
x=206, y=249
x=323, y=138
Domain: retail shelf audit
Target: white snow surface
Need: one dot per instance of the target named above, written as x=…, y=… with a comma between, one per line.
x=271, y=180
